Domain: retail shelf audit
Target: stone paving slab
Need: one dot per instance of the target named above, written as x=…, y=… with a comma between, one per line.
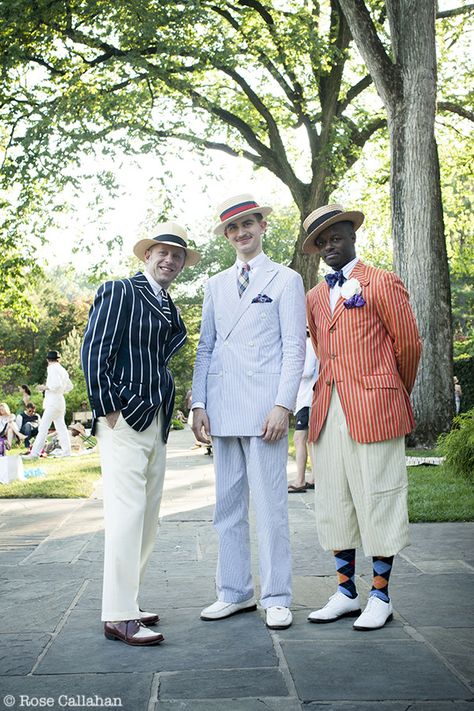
x=434, y=600
x=42, y=604
x=222, y=684
x=261, y=703
x=434, y=541
x=239, y=642
x=359, y=670
x=390, y=706
x=19, y=652
x=456, y=645
x=131, y=691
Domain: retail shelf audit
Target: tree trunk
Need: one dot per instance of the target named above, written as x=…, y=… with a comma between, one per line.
x=406, y=83
x=317, y=195
x=417, y=215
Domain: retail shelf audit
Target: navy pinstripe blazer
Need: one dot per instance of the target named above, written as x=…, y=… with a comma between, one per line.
x=127, y=345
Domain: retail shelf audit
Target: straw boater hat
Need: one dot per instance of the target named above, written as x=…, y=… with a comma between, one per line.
x=236, y=207
x=326, y=216
x=77, y=427
x=168, y=233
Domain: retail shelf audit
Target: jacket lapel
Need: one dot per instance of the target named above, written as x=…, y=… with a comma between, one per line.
x=147, y=296
x=323, y=301
x=266, y=272
x=360, y=273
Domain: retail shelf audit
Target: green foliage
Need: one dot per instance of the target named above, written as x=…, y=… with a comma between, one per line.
x=458, y=446
x=74, y=480
x=464, y=371
x=176, y=424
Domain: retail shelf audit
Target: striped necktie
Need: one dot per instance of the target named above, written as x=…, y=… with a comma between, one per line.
x=243, y=280
x=165, y=305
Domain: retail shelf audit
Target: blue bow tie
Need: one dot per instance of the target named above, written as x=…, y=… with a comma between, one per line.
x=335, y=278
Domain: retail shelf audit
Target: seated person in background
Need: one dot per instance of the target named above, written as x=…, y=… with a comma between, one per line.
x=28, y=422
x=25, y=398
x=8, y=426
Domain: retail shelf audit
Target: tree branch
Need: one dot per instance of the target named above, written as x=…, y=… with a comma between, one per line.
x=353, y=92
x=382, y=70
x=455, y=11
x=454, y=108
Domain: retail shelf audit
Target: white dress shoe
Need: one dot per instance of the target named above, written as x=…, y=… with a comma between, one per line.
x=278, y=618
x=220, y=610
x=375, y=615
x=338, y=605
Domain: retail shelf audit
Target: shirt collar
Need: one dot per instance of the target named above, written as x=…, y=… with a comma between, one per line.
x=255, y=262
x=347, y=268
x=154, y=284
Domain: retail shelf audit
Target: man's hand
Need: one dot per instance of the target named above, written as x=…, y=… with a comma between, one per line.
x=201, y=426
x=275, y=426
x=112, y=418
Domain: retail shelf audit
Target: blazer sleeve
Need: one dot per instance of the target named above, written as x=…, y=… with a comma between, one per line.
x=397, y=315
x=293, y=338
x=102, y=338
x=205, y=349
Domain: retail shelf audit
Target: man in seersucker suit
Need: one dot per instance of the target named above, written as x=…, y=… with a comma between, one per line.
x=248, y=368
x=133, y=331
x=365, y=335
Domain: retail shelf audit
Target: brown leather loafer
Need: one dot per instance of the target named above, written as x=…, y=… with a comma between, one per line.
x=148, y=618
x=132, y=632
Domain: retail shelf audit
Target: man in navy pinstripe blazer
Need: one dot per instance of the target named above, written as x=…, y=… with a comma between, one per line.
x=133, y=330
x=248, y=368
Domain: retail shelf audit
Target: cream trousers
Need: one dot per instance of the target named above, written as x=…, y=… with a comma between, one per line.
x=133, y=469
x=360, y=489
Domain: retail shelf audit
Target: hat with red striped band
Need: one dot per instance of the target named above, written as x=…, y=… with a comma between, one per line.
x=325, y=216
x=235, y=207
x=168, y=233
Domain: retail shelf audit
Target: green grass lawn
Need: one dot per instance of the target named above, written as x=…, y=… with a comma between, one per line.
x=65, y=478
x=434, y=493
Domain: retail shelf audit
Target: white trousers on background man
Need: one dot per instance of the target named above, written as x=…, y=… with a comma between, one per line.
x=133, y=469
x=54, y=411
x=360, y=489
x=243, y=464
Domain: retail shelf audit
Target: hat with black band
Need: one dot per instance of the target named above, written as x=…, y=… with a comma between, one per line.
x=324, y=217
x=172, y=234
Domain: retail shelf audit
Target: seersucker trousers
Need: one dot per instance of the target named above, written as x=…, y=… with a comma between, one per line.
x=245, y=464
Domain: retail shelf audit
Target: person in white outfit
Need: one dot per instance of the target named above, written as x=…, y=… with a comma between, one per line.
x=303, y=404
x=57, y=384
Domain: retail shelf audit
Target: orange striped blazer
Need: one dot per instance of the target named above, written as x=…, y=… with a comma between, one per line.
x=371, y=354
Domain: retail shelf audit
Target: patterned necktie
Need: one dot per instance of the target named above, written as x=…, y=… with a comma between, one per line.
x=243, y=280
x=165, y=305
x=335, y=278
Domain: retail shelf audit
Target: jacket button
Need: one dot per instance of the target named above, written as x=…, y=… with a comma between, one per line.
x=333, y=355
x=332, y=329
x=328, y=382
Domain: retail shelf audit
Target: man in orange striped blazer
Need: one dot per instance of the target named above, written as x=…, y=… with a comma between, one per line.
x=365, y=336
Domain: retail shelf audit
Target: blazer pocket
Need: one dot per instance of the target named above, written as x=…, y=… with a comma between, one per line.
x=381, y=380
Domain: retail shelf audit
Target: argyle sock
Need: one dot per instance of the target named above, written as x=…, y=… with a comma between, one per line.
x=345, y=567
x=382, y=569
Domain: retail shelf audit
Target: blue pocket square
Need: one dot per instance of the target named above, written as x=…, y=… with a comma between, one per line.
x=261, y=299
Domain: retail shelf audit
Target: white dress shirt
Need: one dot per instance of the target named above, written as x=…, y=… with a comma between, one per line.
x=335, y=292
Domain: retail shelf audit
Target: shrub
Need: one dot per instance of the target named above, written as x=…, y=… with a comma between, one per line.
x=458, y=445
x=176, y=424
